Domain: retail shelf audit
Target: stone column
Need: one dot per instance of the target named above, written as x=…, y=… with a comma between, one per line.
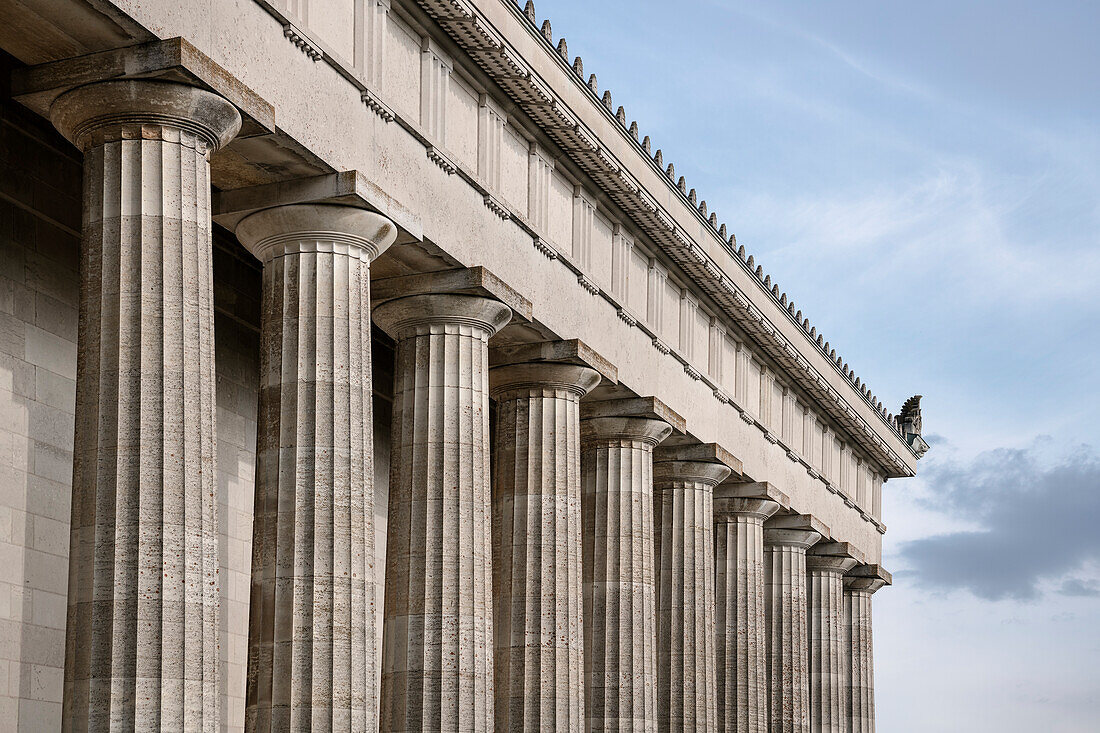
x=857, y=650
x=437, y=667
x=539, y=658
x=313, y=654
x=620, y=614
x=828, y=709
x=786, y=540
x=739, y=617
x=142, y=632
x=684, y=529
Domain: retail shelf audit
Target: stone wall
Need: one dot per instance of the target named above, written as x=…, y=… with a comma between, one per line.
x=237, y=363
x=40, y=177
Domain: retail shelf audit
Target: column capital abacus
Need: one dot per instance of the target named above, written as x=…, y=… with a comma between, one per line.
x=833, y=557
x=685, y=449
x=867, y=578
x=141, y=109
x=755, y=498
x=404, y=317
x=702, y=473
x=862, y=585
x=800, y=531
x=829, y=563
x=631, y=429
x=463, y=281
x=298, y=228
x=644, y=420
x=566, y=351
x=647, y=407
x=512, y=378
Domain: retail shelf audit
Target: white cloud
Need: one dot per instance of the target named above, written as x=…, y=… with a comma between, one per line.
x=946, y=232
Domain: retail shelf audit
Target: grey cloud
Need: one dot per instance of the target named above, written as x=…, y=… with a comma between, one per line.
x=1080, y=588
x=1039, y=517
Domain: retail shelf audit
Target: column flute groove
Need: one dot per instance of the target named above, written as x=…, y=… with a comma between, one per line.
x=141, y=639
x=437, y=667
x=537, y=545
x=313, y=651
x=620, y=633
x=858, y=650
x=684, y=530
x=825, y=591
x=740, y=617
x=785, y=600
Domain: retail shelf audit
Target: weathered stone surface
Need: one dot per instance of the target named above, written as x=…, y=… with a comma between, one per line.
x=786, y=609
x=142, y=640
x=684, y=521
x=858, y=652
x=39, y=233
x=825, y=590
x=740, y=619
x=620, y=612
x=539, y=657
x=437, y=667
x=312, y=644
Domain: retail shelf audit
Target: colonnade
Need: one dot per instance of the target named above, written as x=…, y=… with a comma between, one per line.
x=599, y=577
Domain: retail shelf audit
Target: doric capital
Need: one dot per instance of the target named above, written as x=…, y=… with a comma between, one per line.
x=735, y=494
x=139, y=108
x=759, y=500
x=633, y=429
x=685, y=448
x=829, y=563
x=567, y=351
x=512, y=378
x=316, y=228
x=649, y=407
x=475, y=281
x=404, y=317
x=729, y=509
x=862, y=585
x=866, y=579
x=794, y=530
x=839, y=549
x=670, y=473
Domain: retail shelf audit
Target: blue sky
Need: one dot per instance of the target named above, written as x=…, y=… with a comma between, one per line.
x=924, y=180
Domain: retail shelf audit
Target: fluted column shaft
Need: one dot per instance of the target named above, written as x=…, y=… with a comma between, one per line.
x=142, y=633
x=858, y=653
x=313, y=655
x=828, y=708
x=785, y=602
x=437, y=667
x=539, y=653
x=684, y=530
x=740, y=619
x=620, y=614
